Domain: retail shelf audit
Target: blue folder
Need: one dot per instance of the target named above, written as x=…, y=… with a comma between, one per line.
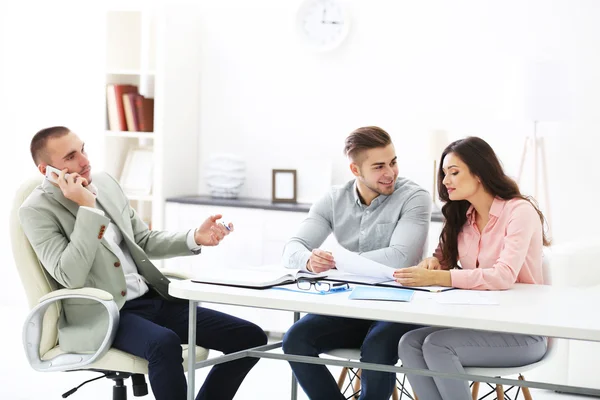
x=381, y=293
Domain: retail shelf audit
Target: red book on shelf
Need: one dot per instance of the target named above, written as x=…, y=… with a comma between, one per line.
x=131, y=116
x=144, y=108
x=114, y=102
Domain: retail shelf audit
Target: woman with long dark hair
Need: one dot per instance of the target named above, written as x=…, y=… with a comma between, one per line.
x=497, y=235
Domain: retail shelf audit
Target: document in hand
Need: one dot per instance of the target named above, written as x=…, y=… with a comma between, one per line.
x=354, y=268
x=381, y=293
x=353, y=263
x=254, y=278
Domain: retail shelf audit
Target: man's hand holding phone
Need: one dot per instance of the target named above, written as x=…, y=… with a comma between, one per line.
x=320, y=261
x=73, y=187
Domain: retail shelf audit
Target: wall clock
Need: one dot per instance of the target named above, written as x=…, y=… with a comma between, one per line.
x=323, y=24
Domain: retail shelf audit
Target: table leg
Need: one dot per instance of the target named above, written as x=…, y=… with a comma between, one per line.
x=192, y=350
x=294, y=381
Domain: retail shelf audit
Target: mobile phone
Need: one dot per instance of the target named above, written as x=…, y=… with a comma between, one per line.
x=49, y=170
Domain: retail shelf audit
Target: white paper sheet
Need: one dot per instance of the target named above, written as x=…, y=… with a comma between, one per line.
x=352, y=263
x=334, y=274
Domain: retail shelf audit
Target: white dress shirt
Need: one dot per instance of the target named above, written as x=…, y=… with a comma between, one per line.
x=137, y=285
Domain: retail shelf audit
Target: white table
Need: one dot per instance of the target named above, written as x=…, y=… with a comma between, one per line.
x=527, y=309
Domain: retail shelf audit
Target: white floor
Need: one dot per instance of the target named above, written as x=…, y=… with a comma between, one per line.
x=270, y=379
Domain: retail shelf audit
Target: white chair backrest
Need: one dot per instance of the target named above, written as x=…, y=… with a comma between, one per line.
x=551, y=349
x=34, y=277
x=546, y=267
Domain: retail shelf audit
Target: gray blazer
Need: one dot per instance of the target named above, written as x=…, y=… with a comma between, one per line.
x=70, y=244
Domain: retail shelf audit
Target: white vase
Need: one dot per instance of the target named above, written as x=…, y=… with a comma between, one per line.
x=225, y=175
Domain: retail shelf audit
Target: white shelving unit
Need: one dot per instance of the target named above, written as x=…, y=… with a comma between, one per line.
x=130, y=53
x=144, y=48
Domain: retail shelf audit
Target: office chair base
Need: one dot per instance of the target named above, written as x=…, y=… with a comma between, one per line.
x=138, y=383
x=119, y=390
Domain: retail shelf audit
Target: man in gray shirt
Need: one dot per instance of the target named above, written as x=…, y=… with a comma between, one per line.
x=381, y=217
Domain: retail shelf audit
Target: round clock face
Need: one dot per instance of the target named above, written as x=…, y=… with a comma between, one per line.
x=323, y=23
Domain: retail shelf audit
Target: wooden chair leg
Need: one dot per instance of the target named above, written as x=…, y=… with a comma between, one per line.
x=475, y=390
x=357, y=383
x=525, y=390
x=342, y=378
x=499, y=392
x=395, y=395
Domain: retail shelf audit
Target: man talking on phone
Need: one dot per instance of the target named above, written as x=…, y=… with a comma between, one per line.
x=383, y=218
x=86, y=234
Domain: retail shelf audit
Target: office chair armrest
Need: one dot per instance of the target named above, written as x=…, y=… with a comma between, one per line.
x=32, y=330
x=99, y=294
x=171, y=273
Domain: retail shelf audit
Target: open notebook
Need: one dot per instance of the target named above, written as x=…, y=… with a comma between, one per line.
x=350, y=267
x=254, y=278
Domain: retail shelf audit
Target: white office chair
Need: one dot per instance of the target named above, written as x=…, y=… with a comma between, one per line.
x=354, y=376
x=354, y=354
x=499, y=372
x=40, y=331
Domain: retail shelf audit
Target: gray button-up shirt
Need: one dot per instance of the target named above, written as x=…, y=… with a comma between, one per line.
x=392, y=230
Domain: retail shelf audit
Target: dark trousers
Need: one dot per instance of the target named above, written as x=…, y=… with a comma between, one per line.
x=316, y=334
x=154, y=329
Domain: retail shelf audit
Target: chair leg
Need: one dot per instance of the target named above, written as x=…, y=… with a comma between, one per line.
x=475, y=390
x=357, y=383
x=525, y=390
x=499, y=392
x=342, y=378
x=395, y=395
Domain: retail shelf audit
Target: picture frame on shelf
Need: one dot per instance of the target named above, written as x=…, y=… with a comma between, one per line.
x=136, y=178
x=284, y=186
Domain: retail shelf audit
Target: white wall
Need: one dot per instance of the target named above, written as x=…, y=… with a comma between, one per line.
x=48, y=77
x=409, y=67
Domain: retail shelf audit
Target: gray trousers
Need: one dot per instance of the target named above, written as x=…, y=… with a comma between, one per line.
x=449, y=350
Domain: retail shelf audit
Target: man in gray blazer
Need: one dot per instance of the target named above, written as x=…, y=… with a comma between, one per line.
x=86, y=234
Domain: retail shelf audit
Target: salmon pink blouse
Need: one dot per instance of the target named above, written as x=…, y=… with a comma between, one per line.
x=508, y=251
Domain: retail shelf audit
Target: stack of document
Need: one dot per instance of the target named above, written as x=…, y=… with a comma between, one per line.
x=350, y=267
x=354, y=268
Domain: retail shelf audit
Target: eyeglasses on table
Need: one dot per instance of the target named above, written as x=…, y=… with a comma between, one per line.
x=321, y=286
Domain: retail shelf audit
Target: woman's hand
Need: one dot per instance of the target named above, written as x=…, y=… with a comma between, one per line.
x=430, y=263
x=419, y=276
